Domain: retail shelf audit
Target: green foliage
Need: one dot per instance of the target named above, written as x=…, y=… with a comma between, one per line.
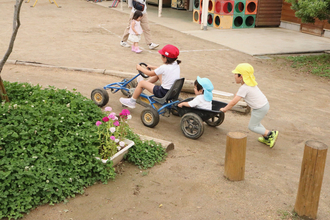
x=315, y=64
x=47, y=147
x=286, y=215
x=308, y=10
x=144, y=154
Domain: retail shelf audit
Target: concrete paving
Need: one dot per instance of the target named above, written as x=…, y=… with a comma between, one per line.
x=252, y=41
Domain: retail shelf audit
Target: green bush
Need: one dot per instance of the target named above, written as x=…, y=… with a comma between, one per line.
x=47, y=147
x=144, y=154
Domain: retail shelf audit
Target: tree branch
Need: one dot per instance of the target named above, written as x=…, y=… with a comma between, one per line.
x=16, y=25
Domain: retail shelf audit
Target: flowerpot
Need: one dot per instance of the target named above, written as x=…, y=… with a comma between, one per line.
x=120, y=154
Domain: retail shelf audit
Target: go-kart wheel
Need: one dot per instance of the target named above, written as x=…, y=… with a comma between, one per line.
x=100, y=96
x=192, y=125
x=216, y=120
x=141, y=73
x=130, y=85
x=150, y=117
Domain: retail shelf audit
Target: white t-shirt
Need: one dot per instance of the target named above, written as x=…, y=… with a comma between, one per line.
x=130, y=4
x=169, y=72
x=252, y=96
x=200, y=102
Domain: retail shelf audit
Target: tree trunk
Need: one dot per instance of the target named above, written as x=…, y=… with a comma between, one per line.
x=16, y=24
x=3, y=93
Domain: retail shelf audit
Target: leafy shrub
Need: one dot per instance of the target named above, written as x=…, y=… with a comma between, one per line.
x=48, y=144
x=144, y=154
x=47, y=147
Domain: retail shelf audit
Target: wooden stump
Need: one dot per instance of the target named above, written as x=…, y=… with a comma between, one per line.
x=311, y=176
x=235, y=156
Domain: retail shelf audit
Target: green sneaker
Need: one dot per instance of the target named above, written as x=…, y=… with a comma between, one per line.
x=263, y=140
x=272, y=138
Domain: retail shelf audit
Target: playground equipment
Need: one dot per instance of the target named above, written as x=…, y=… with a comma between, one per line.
x=227, y=14
x=49, y=1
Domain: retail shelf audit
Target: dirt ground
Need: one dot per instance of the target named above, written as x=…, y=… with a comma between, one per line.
x=190, y=183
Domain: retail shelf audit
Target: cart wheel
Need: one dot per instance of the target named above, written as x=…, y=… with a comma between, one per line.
x=100, y=96
x=130, y=85
x=216, y=120
x=150, y=117
x=192, y=125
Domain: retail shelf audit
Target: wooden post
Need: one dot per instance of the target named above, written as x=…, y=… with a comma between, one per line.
x=311, y=176
x=235, y=156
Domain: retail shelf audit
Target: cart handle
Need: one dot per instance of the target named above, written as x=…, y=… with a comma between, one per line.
x=141, y=73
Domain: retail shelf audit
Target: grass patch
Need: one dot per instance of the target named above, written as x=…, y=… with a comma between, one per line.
x=286, y=215
x=315, y=64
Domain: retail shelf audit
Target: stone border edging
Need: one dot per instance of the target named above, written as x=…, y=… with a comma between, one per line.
x=187, y=87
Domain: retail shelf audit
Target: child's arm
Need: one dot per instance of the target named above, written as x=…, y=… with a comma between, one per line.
x=133, y=28
x=231, y=103
x=145, y=71
x=152, y=67
x=183, y=104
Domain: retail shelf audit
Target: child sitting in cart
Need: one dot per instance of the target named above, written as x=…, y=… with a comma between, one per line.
x=166, y=74
x=203, y=88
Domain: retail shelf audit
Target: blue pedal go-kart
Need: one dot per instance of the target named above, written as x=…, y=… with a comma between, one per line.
x=192, y=118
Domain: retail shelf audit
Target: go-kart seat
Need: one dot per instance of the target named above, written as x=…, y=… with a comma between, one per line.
x=173, y=93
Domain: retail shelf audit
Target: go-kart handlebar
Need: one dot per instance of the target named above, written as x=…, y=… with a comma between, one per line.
x=141, y=73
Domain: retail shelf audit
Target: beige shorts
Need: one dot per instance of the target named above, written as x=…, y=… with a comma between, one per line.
x=134, y=38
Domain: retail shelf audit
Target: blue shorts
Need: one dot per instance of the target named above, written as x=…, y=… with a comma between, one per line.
x=159, y=91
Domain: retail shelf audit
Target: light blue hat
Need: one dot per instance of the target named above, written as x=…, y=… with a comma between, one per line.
x=207, y=86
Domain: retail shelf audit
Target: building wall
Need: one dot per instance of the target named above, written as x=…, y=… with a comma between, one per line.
x=269, y=13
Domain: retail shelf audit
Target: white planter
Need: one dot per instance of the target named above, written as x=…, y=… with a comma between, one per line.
x=120, y=154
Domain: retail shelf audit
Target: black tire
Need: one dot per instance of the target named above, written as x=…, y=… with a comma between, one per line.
x=150, y=117
x=130, y=85
x=100, y=97
x=216, y=120
x=192, y=125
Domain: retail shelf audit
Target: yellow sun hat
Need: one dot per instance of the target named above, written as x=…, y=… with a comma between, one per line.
x=246, y=70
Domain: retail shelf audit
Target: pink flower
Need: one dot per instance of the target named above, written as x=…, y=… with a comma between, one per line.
x=124, y=112
x=116, y=123
x=105, y=119
x=108, y=109
x=98, y=123
x=112, y=116
x=113, y=138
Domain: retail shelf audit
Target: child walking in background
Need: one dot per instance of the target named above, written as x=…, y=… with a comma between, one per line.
x=166, y=74
x=135, y=31
x=203, y=88
x=258, y=102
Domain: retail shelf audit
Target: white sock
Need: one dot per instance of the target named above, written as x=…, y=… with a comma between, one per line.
x=133, y=99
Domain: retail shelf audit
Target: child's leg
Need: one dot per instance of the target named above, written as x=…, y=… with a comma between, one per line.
x=153, y=79
x=142, y=85
x=256, y=116
x=131, y=102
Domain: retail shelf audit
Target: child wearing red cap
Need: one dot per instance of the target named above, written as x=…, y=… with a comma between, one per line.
x=258, y=102
x=166, y=74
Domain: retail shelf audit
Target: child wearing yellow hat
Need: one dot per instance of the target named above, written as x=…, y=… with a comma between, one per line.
x=258, y=102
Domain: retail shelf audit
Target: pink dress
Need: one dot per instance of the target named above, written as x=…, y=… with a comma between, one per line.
x=137, y=27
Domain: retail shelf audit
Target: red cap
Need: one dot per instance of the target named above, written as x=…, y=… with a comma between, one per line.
x=169, y=51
